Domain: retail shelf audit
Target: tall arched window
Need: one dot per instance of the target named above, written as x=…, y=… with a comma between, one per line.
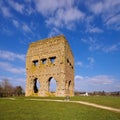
x=69, y=84
x=36, y=85
x=52, y=85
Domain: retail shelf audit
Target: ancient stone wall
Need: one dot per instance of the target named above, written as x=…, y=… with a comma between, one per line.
x=47, y=59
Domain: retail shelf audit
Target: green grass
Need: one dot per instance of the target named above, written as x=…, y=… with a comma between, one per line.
x=21, y=109
x=110, y=101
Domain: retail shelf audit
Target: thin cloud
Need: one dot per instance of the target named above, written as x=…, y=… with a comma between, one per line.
x=92, y=29
x=92, y=44
x=61, y=13
x=51, y=7
x=16, y=6
x=91, y=61
x=5, y=10
x=113, y=22
x=98, y=7
x=26, y=28
x=112, y=48
x=54, y=32
x=96, y=83
x=24, y=8
x=16, y=23
x=80, y=63
x=9, y=68
x=15, y=81
x=95, y=45
x=101, y=79
x=107, y=10
x=78, y=77
x=11, y=55
x=66, y=18
x=95, y=7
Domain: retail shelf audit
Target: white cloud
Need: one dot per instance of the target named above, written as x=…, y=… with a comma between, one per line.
x=8, y=67
x=51, y=6
x=15, y=81
x=92, y=29
x=80, y=63
x=90, y=25
x=61, y=13
x=66, y=18
x=96, y=83
x=101, y=79
x=113, y=19
x=94, y=44
x=11, y=56
x=16, y=23
x=114, y=47
x=5, y=10
x=91, y=62
x=23, y=26
x=113, y=22
x=72, y=14
x=26, y=28
x=109, y=6
x=18, y=7
x=78, y=77
x=25, y=8
x=54, y=32
x=96, y=7
x=108, y=10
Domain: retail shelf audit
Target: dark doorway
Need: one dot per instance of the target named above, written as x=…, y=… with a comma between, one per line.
x=36, y=86
x=69, y=84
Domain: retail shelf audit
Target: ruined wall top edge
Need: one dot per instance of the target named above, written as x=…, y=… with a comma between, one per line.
x=52, y=40
x=44, y=41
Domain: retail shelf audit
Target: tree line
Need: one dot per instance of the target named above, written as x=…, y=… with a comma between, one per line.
x=98, y=93
x=7, y=90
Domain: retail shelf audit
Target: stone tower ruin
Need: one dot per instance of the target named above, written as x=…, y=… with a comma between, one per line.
x=47, y=59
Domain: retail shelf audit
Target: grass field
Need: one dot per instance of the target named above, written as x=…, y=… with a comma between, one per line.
x=22, y=109
x=110, y=101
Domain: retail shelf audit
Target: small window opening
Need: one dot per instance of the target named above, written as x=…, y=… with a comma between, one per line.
x=52, y=59
x=35, y=62
x=67, y=61
x=44, y=61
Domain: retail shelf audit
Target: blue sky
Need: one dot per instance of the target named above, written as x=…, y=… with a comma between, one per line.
x=92, y=28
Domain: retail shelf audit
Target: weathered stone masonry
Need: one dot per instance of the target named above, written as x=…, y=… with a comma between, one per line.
x=46, y=59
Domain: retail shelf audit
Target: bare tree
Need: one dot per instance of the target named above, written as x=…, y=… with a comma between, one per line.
x=6, y=89
x=18, y=90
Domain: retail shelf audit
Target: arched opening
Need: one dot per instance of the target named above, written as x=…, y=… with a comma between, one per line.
x=35, y=62
x=69, y=84
x=52, y=59
x=52, y=85
x=36, y=85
